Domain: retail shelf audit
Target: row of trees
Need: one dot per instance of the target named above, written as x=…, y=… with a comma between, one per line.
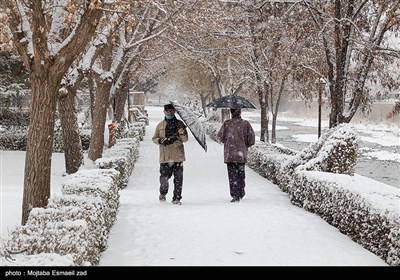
x=268, y=48
x=61, y=42
x=348, y=49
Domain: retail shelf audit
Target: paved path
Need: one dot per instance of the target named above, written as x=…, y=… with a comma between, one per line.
x=264, y=229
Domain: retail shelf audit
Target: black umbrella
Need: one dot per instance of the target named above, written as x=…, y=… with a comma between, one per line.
x=231, y=101
x=192, y=122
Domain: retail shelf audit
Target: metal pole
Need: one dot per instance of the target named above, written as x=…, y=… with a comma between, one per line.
x=319, y=109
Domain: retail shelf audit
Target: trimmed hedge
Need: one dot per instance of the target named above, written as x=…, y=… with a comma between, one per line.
x=13, y=118
x=122, y=156
x=368, y=215
x=321, y=179
x=78, y=222
x=13, y=140
x=16, y=140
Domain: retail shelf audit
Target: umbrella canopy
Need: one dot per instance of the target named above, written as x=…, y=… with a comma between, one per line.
x=231, y=101
x=192, y=122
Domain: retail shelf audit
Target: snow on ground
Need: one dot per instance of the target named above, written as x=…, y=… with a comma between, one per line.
x=206, y=230
x=381, y=134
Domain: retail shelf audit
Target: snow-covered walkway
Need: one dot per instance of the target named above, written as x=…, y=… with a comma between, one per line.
x=264, y=229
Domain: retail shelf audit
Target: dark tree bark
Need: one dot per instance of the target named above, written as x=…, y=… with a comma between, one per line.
x=99, y=120
x=120, y=99
x=40, y=143
x=45, y=72
x=356, y=36
x=91, y=94
x=275, y=107
x=264, y=117
x=69, y=124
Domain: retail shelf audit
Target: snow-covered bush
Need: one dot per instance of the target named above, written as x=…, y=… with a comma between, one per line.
x=85, y=135
x=133, y=130
x=16, y=139
x=287, y=168
x=58, y=143
x=14, y=95
x=122, y=156
x=13, y=118
x=96, y=191
x=56, y=231
x=13, y=139
x=100, y=183
x=93, y=210
x=79, y=221
x=121, y=128
x=267, y=159
x=335, y=151
x=338, y=154
x=364, y=209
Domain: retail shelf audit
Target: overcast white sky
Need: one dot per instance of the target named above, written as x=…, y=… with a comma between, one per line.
x=264, y=229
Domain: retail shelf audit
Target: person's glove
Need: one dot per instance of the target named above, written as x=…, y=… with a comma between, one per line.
x=170, y=140
x=167, y=141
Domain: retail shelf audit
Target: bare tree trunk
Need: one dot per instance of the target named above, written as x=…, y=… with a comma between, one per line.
x=203, y=99
x=40, y=144
x=264, y=118
x=225, y=115
x=91, y=94
x=69, y=124
x=264, y=114
x=218, y=87
x=120, y=100
x=262, y=86
x=273, y=133
x=99, y=120
x=275, y=109
x=395, y=111
x=45, y=72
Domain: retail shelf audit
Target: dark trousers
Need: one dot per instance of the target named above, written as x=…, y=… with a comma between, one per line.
x=166, y=172
x=237, y=176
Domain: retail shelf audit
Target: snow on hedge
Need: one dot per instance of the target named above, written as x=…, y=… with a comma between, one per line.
x=74, y=227
x=321, y=179
x=60, y=231
x=276, y=157
x=364, y=209
x=338, y=153
x=13, y=139
x=132, y=130
x=122, y=156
